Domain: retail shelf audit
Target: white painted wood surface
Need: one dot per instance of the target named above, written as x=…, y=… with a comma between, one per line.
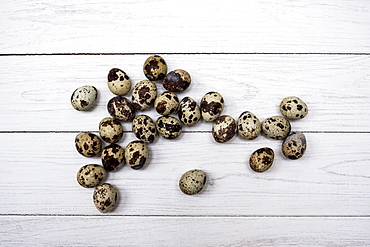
x=254, y=53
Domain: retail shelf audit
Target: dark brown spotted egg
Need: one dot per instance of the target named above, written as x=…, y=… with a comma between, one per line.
x=155, y=68
x=113, y=157
x=110, y=130
x=88, y=144
x=262, y=159
x=84, y=98
x=144, y=94
x=105, y=197
x=224, y=129
x=121, y=109
x=294, y=146
x=211, y=106
x=166, y=103
x=177, y=81
x=169, y=127
x=293, y=108
x=144, y=128
x=189, y=111
x=90, y=175
x=277, y=127
x=118, y=82
x=136, y=154
x=249, y=126
x=192, y=182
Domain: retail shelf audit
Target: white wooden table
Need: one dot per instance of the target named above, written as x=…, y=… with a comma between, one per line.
x=254, y=53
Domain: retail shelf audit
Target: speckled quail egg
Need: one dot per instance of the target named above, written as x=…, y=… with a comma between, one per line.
x=277, y=127
x=136, y=154
x=294, y=146
x=166, y=103
x=84, y=98
x=118, y=82
x=169, y=127
x=113, y=157
x=224, y=129
x=144, y=128
x=144, y=94
x=177, y=80
x=121, y=108
x=189, y=112
x=88, y=144
x=155, y=68
x=261, y=160
x=90, y=175
x=249, y=126
x=110, y=130
x=293, y=108
x=211, y=106
x=105, y=197
x=192, y=182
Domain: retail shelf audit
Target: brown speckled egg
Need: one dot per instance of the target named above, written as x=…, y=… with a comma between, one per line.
x=224, y=129
x=293, y=108
x=144, y=128
x=166, y=103
x=110, y=130
x=121, y=109
x=189, y=112
x=84, y=98
x=294, y=146
x=118, y=82
x=211, y=106
x=249, y=126
x=90, y=175
x=144, y=94
x=169, y=127
x=105, y=197
x=88, y=144
x=261, y=160
x=177, y=81
x=155, y=68
x=276, y=127
x=136, y=154
x=192, y=182
x=113, y=157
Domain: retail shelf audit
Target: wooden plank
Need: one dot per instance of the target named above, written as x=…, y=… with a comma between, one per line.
x=35, y=90
x=172, y=26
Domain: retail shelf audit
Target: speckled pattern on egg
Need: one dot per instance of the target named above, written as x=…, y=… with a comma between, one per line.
x=294, y=146
x=105, y=197
x=192, y=182
x=144, y=94
x=277, y=127
x=166, y=103
x=293, y=108
x=88, y=144
x=177, y=80
x=144, y=128
x=189, y=111
x=155, y=68
x=121, y=109
x=249, y=126
x=110, y=130
x=90, y=175
x=224, y=129
x=136, y=154
x=113, y=157
x=262, y=159
x=84, y=98
x=118, y=82
x=169, y=127
x=211, y=106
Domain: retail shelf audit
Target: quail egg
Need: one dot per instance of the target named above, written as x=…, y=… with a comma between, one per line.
x=84, y=98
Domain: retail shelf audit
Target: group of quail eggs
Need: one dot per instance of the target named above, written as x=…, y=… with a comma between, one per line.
x=144, y=96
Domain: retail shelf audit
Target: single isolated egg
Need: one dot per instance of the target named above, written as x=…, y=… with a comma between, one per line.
x=261, y=160
x=105, y=197
x=293, y=108
x=155, y=68
x=192, y=182
x=84, y=98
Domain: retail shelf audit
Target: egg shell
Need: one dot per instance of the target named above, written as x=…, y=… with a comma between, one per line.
x=177, y=80
x=155, y=68
x=144, y=128
x=90, y=175
x=293, y=107
x=169, y=127
x=211, y=106
x=192, y=182
x=136, y=154
x=249, y=126
x=189, y=111
x=224, y=129
x=118, y=82
x=262, y=159
x=277, y=127
x=144, y=94
x=113, y=157
x=84, y=98
x=110, y=130
x=295, y=145
x=105, y=197
x=166, y=103
x=88, y=144
x=121, y=109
